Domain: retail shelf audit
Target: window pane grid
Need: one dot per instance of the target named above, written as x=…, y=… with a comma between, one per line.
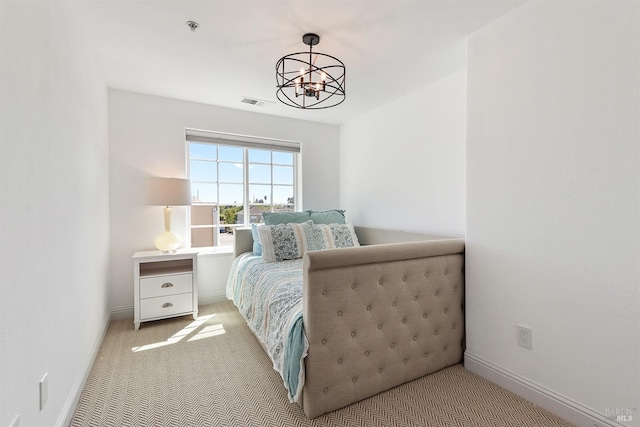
x=262, y=180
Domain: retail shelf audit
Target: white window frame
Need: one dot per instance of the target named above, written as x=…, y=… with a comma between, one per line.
x=245, y=142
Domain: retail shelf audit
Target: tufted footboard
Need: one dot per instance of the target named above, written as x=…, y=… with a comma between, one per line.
x=379, y=316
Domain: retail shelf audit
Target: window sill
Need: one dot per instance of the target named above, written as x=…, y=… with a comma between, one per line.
x=214, y=250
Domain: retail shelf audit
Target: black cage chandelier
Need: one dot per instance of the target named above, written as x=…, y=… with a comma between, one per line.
x=310, y=80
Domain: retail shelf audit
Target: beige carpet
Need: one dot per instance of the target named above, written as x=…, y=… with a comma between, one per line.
x=213, y=372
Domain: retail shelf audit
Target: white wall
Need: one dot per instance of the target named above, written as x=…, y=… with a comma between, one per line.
x=553, y=206
x=146, y=137
x=54, y=208
x=402, y=166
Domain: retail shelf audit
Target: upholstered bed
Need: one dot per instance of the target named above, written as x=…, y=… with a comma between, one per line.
x=368, y=318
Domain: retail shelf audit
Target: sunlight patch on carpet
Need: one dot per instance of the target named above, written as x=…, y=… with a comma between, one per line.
x=191, y=328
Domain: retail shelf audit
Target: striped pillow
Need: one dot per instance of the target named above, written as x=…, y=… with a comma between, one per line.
x=281, y=242
x=338, y=235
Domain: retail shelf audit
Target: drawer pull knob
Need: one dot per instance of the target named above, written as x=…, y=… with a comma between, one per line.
x=167, y=305
x=167, y=285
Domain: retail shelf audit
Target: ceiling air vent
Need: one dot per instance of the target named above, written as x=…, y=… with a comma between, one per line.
x=256, y=102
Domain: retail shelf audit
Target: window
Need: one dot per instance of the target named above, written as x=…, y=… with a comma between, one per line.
x=234, y=180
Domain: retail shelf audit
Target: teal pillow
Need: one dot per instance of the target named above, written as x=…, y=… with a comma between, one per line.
x=333, y=216
x=274, y=218
x=257, y=246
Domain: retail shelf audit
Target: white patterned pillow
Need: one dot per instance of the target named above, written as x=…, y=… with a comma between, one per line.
x=338, y=235
x=284, y=241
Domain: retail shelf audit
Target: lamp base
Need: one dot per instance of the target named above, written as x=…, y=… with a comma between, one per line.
x=167, y=242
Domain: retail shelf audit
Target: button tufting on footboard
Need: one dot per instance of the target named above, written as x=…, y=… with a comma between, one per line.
x=394, y=308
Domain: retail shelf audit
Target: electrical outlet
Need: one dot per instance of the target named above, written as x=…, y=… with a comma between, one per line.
x=44, y=390
x=525, y=337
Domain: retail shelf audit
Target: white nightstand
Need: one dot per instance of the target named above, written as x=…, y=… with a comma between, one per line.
x=165, y=285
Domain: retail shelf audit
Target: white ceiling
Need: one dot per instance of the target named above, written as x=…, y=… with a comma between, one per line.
x=390, y=47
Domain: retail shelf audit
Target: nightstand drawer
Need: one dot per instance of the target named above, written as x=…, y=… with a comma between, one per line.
x=151, y=287
x=166, y=306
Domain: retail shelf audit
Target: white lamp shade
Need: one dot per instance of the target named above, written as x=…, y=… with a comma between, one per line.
x=168, y=192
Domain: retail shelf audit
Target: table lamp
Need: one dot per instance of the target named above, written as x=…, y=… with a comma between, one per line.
x=168, y=192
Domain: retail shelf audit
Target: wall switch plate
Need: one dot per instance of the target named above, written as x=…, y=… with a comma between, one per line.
x=525, y=337
x=44, y=390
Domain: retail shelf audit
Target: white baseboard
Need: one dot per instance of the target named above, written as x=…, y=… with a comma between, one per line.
x=120, y=313
x=211, y=299
x=539, y=395
x=76, y=390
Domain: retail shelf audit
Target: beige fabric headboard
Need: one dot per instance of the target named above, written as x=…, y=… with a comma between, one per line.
x=242, y=242
x=378, y=236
